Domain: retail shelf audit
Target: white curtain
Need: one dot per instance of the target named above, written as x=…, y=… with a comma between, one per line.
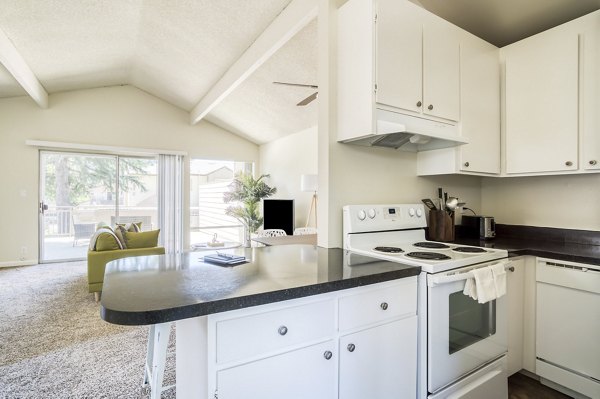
x=170, y=202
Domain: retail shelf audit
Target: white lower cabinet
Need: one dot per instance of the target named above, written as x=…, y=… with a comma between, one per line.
x=515, y=291
x=392, y=348
x=358, y=343
x=303, y=373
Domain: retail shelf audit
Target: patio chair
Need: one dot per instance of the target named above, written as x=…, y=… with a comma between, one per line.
x=83, y=231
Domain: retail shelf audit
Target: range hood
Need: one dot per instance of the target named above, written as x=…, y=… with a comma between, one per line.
x=408, y=133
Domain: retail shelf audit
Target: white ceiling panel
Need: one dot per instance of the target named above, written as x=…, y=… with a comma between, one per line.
x=73, y=44
x=263, y=111
x=184, y=47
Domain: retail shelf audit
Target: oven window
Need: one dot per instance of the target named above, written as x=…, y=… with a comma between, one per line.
x=470, y=321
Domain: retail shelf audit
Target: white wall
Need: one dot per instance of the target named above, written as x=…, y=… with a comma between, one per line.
x=368, y=175
x=568, y=202
x=287, y=159
x=118, y=116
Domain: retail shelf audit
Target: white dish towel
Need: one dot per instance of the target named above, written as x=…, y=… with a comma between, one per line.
x=499, y=273
x=470, y=289
x=488, y=283
x=484, y=282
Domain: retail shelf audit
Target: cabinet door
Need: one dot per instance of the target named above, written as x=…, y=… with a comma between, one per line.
x=542, y=103
x=382, y=363
x=515, y=290
x=590, y=86
x=398, y=55
x=441, y=69
x=300, y=374
x=480, y=106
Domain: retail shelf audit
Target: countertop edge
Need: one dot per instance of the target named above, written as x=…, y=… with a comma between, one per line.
x=132, y=318
x=542, y=253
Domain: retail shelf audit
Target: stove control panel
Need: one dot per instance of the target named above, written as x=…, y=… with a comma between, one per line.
x=369, y=218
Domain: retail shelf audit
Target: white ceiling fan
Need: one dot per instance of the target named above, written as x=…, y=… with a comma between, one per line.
x=308, y=99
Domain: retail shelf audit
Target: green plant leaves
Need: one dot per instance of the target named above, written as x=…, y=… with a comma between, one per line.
x=248, y=191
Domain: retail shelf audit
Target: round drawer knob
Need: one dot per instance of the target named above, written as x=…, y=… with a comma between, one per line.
x=569, y=163
x=466, y=164
x=593, y=162
x=282, y=330
x=327, y=355
x=430, y=107
x=419, y=103
x=351, y=347
x=384, y=305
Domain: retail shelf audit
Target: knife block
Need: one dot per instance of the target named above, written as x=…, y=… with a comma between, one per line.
x=441, y=226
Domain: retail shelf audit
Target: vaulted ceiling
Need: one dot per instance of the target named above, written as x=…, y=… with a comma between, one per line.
x=181, y=50
x=175, y=50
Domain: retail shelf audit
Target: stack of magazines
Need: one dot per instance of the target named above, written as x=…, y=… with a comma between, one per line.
x=225, y=259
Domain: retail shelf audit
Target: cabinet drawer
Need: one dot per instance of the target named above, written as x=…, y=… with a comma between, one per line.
x=378, y=304
x=262, y=333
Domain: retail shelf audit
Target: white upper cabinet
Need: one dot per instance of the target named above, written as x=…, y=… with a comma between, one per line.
x=416, y=61
x=441, y=69
x=590, y=140
x=397, y=57
x=479, y=115
x=551, y=100
x=542, y=74
x=480, y=106
x=399, y=67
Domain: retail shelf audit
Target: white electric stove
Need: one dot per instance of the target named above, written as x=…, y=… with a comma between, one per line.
x=396, y=233
x=462, y=344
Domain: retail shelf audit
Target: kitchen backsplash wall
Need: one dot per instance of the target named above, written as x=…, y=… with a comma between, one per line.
x=569, y=202
x=369, y=175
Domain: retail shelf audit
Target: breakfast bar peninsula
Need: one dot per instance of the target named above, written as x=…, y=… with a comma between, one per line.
x=293, y=320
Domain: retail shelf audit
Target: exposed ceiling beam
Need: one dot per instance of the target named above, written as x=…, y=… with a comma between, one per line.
x=291, y=20
x=18, y=68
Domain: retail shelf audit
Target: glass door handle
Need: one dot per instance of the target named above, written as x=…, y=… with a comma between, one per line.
x=43, y=207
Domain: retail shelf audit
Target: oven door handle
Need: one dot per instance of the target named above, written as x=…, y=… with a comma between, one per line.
x=450, y=278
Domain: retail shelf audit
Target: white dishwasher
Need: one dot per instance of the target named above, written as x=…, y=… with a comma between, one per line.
x=568, y=325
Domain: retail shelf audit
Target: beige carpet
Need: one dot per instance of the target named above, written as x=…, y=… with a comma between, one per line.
x=53, y=343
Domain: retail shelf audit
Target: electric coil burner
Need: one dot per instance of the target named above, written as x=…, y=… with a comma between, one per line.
x=430, y=245
x=471, y=250
x=389, y=250
x=397, y=233
x=428, y=255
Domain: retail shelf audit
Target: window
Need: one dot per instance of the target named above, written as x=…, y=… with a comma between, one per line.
x=79, y=191
x=209, y=180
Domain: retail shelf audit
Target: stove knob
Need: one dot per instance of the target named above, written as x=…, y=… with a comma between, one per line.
x=362, y=215
x=411, y=212
x=371, y=213
x=419, y=212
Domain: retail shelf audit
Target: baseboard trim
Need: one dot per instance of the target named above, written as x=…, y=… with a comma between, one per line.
x=28, y=262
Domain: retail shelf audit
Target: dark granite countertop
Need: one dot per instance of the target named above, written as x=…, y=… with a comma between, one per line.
x=518, y=246
x=163, y=288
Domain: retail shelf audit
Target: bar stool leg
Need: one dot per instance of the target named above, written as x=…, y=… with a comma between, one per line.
x=156, y=357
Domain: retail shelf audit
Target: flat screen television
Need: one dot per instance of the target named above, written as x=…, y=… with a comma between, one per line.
x=279, y=214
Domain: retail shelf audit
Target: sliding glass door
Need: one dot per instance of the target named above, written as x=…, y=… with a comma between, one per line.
x=80, y=191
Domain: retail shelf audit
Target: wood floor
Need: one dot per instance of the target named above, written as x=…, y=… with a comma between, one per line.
x=523, y=387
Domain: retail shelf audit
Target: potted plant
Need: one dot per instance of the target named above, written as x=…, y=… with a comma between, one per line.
x=247, y=191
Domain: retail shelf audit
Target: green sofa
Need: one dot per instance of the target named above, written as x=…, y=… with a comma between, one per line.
x=122, y=241
x=97, y=260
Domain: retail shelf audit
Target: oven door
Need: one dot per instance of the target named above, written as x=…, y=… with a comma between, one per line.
x=462, y=334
